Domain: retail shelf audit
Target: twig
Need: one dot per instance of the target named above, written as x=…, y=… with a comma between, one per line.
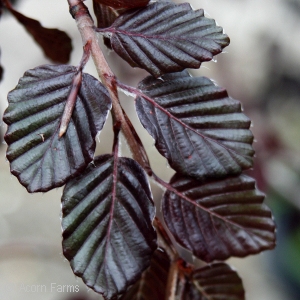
x=86, y=27
x=172, y=281
x=76, y=84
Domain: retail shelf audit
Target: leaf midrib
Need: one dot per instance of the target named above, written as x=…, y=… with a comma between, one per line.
x=171, y=116
x=162, y=37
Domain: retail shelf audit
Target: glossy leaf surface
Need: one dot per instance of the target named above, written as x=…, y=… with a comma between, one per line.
x=215, y=282
x=56, y=44
x=124, y=3
x=195, y=124
x=217, y=219
x=166, y=37
x=107, y=224
x=153, y=282
x=39, y=159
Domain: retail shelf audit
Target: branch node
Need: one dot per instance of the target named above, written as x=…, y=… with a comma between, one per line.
x=78, y=10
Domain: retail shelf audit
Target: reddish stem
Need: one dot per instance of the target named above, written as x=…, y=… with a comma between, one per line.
x=70, y=104
x=86, y=27
x=76, y=84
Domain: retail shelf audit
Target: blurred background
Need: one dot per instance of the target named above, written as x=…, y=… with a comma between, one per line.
x=261, y=68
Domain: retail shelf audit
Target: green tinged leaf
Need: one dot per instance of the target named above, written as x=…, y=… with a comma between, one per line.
x=108, y=235
x=39, y=159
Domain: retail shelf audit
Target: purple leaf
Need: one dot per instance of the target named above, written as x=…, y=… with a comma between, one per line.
x=199, y=129
x=212, y=282
x=166, y=37
x=56, y=44
x=153, y=282
x=1, y=7
x=105, y=15
x=1, y=70
x=39, y=159
x=215, y=282
x=216, y=219
x=108, y=235
x=124, y=3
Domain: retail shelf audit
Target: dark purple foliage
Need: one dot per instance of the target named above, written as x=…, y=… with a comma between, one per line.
x=38, y=157
x=210, y=207
x=165, y=37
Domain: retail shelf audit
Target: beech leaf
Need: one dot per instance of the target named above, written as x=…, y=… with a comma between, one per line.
x=108, y=235
x=39, y=159
x=56, y=44
x=214, y=282
x=166, y=37
x=124, y=3
x=195, y=124
x=216, y=219
x=105, y=15
x=153, y=282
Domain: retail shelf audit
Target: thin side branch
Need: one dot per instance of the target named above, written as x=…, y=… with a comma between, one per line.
x=172, y=281
x=76, y=84
x=86, y=27
x=70, y=104
x=164, y=241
